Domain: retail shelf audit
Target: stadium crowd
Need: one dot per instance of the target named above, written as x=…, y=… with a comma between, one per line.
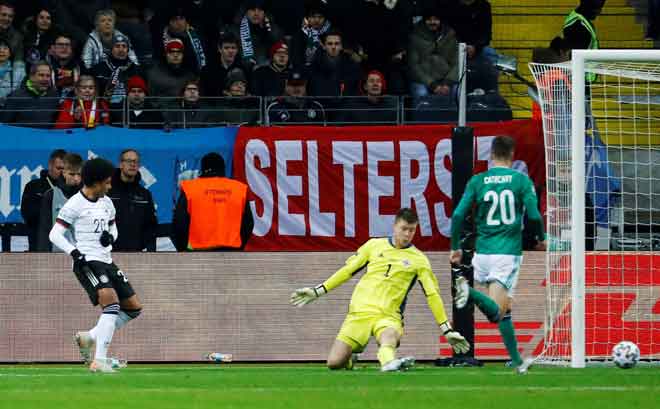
x=83, y=63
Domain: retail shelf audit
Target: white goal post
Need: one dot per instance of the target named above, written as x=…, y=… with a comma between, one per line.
x=622, y=104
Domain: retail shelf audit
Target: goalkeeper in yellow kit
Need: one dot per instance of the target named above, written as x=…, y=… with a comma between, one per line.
x=393, y=265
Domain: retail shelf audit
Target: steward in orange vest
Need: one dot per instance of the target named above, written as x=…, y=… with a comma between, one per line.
x=212, y=212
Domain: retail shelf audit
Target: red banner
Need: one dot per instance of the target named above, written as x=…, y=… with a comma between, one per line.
x=331, y=188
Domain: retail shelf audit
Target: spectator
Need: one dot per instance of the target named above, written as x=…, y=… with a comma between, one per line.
x=237, y=107
x=11, y=72
x=432, y=59
x=34, y=103
x=373, y=109
x=132, y=18
x=34, y=192
x=205, y=16
x=38, y=34
x=8, y=33
x=99, y=42
x=307, y=40
x=214, y=74
x=268, y=81
x=138, y=113
x=67, y=185
x=295, y=107
x=194, y=57
x=136, y=213
x=257, y=33
x=385, y=47
x=167, y=77
x=113, y=72
x=288, y=14
x=333, y=72
x=472, y=21
x=65, y=68
x=85, y=110
x=79, y=18
x=191, y=111
x=212, y=212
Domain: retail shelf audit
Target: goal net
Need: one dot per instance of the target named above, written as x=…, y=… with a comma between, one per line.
x=601, y=121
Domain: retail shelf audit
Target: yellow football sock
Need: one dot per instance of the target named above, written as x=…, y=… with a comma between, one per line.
x=386, y=353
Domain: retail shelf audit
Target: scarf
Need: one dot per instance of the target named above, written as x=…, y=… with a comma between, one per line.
x=246, y=39
x=313, y=40
x=30, y=87
x=115, y=89
x=194, y=40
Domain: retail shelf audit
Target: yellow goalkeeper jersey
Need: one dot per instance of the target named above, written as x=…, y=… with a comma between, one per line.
x=391, y=274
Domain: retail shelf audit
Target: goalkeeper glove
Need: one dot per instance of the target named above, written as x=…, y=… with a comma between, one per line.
x=458, y=343
x=304, y=296
x=106, y=238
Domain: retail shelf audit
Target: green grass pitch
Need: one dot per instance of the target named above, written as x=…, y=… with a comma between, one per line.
x=310, y=386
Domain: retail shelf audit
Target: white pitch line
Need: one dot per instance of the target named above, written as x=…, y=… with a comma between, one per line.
x=409, y=388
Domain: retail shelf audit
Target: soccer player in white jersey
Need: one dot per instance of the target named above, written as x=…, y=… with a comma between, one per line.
x=90, y=215
x=501, y=196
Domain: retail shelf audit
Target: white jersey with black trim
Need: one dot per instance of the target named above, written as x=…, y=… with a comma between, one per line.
x=88, y=219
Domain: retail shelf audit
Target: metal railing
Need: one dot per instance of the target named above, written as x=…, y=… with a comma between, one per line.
x=169, y=113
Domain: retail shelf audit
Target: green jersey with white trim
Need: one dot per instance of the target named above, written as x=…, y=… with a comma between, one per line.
x=501, y=196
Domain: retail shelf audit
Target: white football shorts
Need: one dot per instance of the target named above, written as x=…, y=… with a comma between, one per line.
x=503, y=268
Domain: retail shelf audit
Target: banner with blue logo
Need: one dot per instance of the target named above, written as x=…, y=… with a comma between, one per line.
x=166, y=158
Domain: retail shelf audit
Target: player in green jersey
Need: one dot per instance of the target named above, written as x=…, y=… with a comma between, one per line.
x=393, y=265
x=501, y=196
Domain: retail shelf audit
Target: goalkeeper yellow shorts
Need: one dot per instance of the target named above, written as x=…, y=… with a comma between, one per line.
x=358, y=327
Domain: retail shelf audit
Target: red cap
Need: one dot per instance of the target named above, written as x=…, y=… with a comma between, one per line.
x=278, y=46
x=174, y=44
x=136, y=82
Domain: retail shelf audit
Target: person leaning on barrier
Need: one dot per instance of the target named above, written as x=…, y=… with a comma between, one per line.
x=190, y=111
x=136, y=212
x=34, y=103
x=137, y=113
x=212, y=212
x=238, y=107
x=295, y=106
x=34, y=193
x=86, y=110
x=374, y=107
x=67, y=185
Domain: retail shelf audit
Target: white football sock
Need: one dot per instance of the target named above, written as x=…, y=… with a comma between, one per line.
x=104, y=330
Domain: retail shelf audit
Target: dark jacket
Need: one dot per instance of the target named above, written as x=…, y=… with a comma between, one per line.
x=333, y=78
x=214, y=76
x=150, y=117
x=262, y=39
x=46, y=217
x=236, y=111
x=31, y=205
x=111, y=76
x=25, y=108
x=432, y=57
x=186, y=115
x=473, y=23
x=267, y=81
x=289, y=110
x=181, y=223
x=167, y=81
x=136, y=215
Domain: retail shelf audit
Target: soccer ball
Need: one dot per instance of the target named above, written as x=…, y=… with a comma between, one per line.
x=625, y=354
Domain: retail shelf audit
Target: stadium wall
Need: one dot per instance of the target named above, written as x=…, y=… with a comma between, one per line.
x=225, y=302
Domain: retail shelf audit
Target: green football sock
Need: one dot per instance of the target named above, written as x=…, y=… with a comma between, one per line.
x=486, y=304
x=509, y=338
